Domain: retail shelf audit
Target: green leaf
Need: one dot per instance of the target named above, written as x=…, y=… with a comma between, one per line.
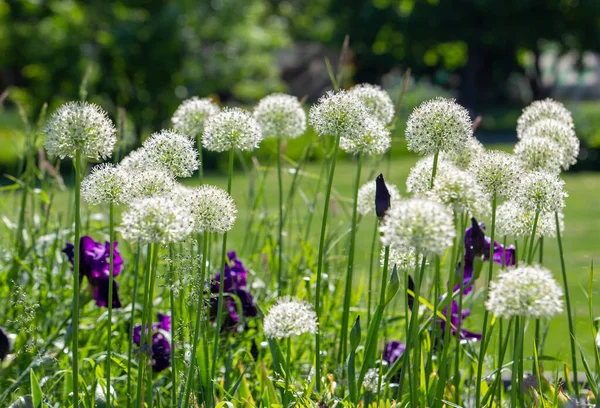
x=393, y=285
x=36, y=390
x=355, y=333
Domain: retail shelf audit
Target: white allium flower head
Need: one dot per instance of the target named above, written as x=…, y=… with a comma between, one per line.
x=152, y=182
x=366, y=197
x=105, y=184
x=527, y=291
x=136, y=161
x=156, y=220
x=560, y=133
x=541, y=191
x=378, y=102
x=418, y=181
x=371, y=380
x=403, y=256
x=280, y=116
x=460, y=191
x=190, y=116
x=543, y=109
x=232, y=128
x=375, y=139
x=539, y=154
x=173, y=152
x=497, y=172
x=212, y=208
x=422, y=224
x=289, y=317
x=340, y=114
x=462, y=158
x=80, y=126
x=439, y=124
x=513, y=220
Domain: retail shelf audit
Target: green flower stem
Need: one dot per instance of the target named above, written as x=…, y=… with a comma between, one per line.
x=288, y=372
x=280, y=277
x=75, y=311
x=458, y=353
x=173, y=321
x=131, y=320
x=350, y=267
x=532, y=242
x=320, y=263
x=486, y=313
x=517, y=367
x=371, y=261
x=199, y=307
x=434, y=170
x=222, y=261
x=568, y=303
x=200, y=170
x=414, y=332
x=111, y=240
x=142, y=359
x=149, y=372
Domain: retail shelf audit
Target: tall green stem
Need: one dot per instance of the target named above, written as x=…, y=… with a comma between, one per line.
x=350, y=267
x=173, y=321
x=149, y=372
x=434, y=170
x=568, y=304
x=484, y=342
x=320, y=263
x=143, y=354
x=199, y=307
x=111, y=240
x=371, y=261
x=75, y=312
x=280, y=278
x=136, y=267
x=532, y=242
x=222, y=261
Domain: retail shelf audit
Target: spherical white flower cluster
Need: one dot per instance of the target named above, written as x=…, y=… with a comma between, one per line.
x=539, y=154
x=148, y=183
x=340, y=114
x=460, y=191
x=135, y=161
x=371, y=380
x=156, y=220
x=83, y=127
x=173, y=152
x=543, y=192
x=497, y=172
x=527, y=291
x=463, y=157
x=540, y=110
x=105, y=184
x=232, y=128
x=280, y=116
x=378, y=102
x=190, y=116
x=422, y=224
x=289, y=317
x=405, y=258
x=438, y=125
x=513, y=220
x=418, y=181
x=212, y=208
x=375, y=139
x=366, y=197
x=561, y=133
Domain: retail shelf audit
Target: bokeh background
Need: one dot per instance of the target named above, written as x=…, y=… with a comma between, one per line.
x=145, y=57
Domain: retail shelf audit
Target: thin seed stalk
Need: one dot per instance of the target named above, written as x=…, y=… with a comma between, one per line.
x=350, y=267
x=76, y=262
x=131, y=320
x=280, y=277
x=199, y=307
x=320, y=263
x=532, y=242
x=111, y=240
x=568, y=304
x=484, y=343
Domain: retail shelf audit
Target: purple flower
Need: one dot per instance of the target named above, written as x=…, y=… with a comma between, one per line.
x=94, y=264
x=456, y=319
x=160, y=351
x=382, y=197
x=234, y=286
x=393, y=351
x=4, y=344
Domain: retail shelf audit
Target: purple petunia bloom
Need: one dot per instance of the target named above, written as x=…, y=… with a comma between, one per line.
x=94, y=264
x=393, y=351
x=234, y=285
x=161, y=347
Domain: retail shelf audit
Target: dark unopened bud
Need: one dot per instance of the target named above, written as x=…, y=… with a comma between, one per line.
x=4, y=344
x=382, y=197
x=475, y=238
x=355, y=334
x=411, y=287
